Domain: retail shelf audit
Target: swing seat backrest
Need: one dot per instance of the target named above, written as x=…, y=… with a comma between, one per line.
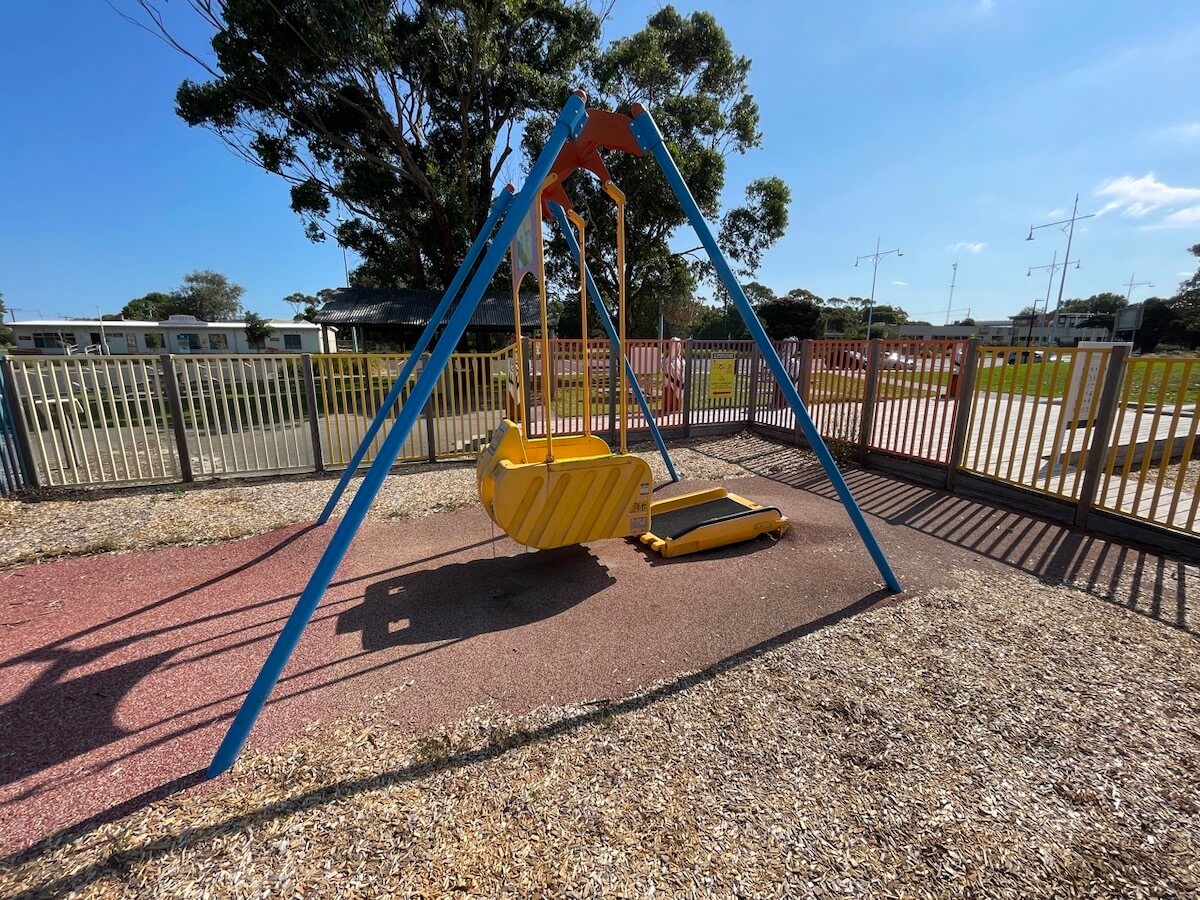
x=509, y=443
x=547, y=505
x=569, y=501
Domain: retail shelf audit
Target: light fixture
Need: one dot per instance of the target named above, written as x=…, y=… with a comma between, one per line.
x=898, y=253
x=1030, y=238
x=856, y=264
x=1077, y=264
x=1030, y=272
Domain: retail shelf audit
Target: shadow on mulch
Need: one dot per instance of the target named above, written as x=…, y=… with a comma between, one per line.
x=121, y=860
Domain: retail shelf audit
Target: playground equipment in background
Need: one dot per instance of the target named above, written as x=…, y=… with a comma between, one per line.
x=574, y=141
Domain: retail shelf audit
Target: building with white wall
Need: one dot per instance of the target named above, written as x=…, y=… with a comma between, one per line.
x=177, y=334
x=997, y=332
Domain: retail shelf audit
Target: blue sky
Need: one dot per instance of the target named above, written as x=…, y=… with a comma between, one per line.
x=935, y=125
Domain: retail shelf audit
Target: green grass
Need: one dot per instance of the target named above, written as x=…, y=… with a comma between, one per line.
x=1163, y=380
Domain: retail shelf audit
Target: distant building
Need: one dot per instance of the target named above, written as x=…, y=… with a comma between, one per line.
x=377, y=320
x=1035, y=329
x=996, y=332
x=177, y=334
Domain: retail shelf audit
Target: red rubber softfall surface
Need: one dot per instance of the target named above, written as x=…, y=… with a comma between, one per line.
x=120, y=672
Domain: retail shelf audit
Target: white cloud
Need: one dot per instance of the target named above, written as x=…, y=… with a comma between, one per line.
x=983, y=7
x=1188, y=217
x=968, y=246
x=900, y=283
x=1054, y=214
x=1138, y=197
x=1184, y=274
x=1184, y=133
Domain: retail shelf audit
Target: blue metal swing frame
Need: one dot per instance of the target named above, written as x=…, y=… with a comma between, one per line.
x=567, y=126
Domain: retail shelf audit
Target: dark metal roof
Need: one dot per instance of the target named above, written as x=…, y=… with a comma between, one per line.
x=371, y=306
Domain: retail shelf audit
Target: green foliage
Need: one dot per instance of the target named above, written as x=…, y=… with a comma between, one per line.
x=718, y=323
x=306, y=306
x=6, y=335
x=1187, y=301
x=386, y=112
x=757, y=293
x=207, y=295
x=791, y=316
x=844, y=317
x=152, y=307
x=258, y=330
x=1105, y=304
x=685, y=70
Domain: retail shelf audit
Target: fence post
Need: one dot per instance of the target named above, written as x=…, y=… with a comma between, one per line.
x=1110, y=398
x=527, y=382
x=175, y=404
x=804, y=383
x=314, y=422
x=427, y=413
x=19, y=425
x=965, y=399
x=688, y=361
x=752, y=402
x=870, y=389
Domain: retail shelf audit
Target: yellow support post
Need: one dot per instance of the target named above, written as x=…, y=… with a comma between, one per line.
x=577, y=221
x=619, y=199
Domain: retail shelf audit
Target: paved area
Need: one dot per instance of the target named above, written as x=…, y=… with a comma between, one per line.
x=120, y=672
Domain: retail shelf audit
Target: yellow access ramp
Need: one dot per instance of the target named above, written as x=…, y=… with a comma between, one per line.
x=704, y=520
x=567, y=501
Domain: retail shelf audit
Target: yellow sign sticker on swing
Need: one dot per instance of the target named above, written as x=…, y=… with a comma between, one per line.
x=721, y=375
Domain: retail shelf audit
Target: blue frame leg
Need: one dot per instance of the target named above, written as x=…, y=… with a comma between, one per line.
x=570, y=122
x=651, y=140
x=564, y=225
x=499, y=208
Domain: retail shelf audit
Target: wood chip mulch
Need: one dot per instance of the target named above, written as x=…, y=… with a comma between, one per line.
x=1005, y=738
x=39, y=527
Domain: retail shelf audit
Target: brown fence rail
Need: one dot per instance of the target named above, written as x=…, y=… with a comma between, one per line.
x=1148, y=467
x=1033, y=415
x=916, y=398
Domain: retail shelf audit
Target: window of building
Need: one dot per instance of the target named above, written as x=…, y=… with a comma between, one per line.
x=219, y=342
x=187, y=341
x=154, y=340
x=53, y=340
x=291, y=342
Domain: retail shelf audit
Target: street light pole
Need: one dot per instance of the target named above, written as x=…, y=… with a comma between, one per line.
x=1068, y=226
x=875, y=258
x=953, y=278
x=1132, y=284
x=1129, y=293
x=1052, y=268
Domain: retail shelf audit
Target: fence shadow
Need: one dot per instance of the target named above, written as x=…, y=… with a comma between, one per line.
x=1141, y=579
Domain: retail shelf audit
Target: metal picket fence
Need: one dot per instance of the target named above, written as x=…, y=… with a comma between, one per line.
x=95, y=420
x=1087, y=428
x=14, y=476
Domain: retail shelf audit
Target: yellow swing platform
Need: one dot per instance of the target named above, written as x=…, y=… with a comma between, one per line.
x=571, y=489
x=705, y=520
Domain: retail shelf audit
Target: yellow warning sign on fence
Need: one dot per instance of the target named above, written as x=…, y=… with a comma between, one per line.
x=721, y=375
